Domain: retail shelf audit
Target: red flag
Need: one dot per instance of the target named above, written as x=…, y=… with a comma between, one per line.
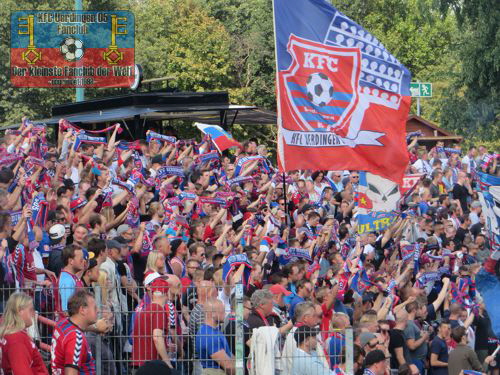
x=343, y=99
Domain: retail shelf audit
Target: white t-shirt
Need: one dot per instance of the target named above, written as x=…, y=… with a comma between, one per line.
x=423, y=167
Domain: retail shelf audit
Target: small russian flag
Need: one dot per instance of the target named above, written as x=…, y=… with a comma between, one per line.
x=220, y=138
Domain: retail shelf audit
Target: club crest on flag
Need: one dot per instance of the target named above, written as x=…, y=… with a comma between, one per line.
x=322, y=84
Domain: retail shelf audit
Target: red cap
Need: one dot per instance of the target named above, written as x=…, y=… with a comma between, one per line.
x=159, y=285
x=279, y=289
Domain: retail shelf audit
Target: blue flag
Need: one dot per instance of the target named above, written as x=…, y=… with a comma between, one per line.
x=343, y=98
x=489, y=196
x=488, y=285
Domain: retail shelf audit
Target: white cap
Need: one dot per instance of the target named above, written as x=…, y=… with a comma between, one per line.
x=57, y=231
x=152, y=277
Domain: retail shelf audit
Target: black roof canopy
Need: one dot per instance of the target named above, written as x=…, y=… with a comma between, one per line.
x=146, y=99
x=139, y=107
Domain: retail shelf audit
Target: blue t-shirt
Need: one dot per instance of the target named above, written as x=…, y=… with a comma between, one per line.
x=440, y=348
x=294, y=302
x=292, y=288
x=424, y=207
x=335, y=345
x=208, y=341
x=67, y=287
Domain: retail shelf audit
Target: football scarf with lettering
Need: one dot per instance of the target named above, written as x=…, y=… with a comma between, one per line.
x=147, y=244
x=15, y=216
x=448, y=151
x=8, y=159
x=243, y=162
x=123, y=146
x=84, y=138
x=416, y=259
x=165, y=138
x=410, y=135
x=65, y=125
x=207, y=157
x=39, y=210
x=291, y=254
x=184, y=196
x=124, y=185
x=457, y=296
x=212, y=200
x=133, y=218
x=239, y=180
x=167, y=171
x=360, y=282
x=14, y=183
x=407, y=252
x=232, y=264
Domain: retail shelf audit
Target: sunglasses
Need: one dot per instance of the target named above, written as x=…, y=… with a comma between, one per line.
x=355, y=176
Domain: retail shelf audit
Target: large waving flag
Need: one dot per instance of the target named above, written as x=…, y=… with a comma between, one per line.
x=376, y=201
x=343, y=99
x=489, y=196
x=220, y=138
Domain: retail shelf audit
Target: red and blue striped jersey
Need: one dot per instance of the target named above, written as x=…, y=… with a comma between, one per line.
x=70, y=349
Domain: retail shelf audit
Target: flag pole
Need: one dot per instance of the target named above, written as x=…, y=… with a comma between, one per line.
x=284, y=197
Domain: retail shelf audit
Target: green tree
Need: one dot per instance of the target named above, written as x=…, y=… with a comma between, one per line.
x=476, y=108
x=178, y=38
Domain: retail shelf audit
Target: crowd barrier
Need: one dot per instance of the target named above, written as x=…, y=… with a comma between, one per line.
x=113, y=351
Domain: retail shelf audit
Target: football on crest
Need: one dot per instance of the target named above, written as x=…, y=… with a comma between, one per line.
x=319, y=89
x=72, y=49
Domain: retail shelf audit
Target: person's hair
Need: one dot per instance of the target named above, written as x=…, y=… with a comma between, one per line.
x=6, y=175
x=316, y=174
x=210, y=251
x=463, y=218
x=151, y=261
x=259, y=297
x=154, y=207
x=411, y=307
x=191, y=261
x=276, y=278
x=77, y=300
x=194, y=246
x=369, y=317
x=288, y=269
x=301, y=309
x=69, y=253
x=4, y=220
x=11, y=321
x=313, y=215
x=458, y=333
x=435, y=173
x=404, y=369
x=95, y=219
x=97, y=246
x=61, y=190
x=301, y=284
x=455, y=308
x=305, y=333
x=233, y=301
x=336, y=318
x=357, y=352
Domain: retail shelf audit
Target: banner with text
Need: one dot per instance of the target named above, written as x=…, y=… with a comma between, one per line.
x=69, y=48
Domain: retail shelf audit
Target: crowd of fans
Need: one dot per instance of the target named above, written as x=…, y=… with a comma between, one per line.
x=141, y=244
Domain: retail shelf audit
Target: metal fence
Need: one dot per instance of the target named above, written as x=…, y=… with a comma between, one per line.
x=131, y=341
